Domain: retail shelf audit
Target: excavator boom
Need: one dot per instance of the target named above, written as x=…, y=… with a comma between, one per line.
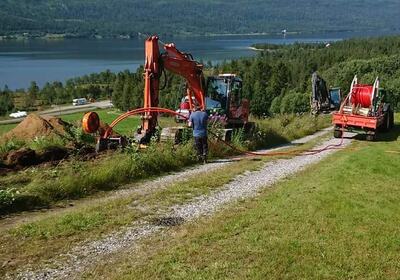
x=176, y=62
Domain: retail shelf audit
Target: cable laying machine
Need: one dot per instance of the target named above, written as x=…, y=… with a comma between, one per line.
x=364, y=109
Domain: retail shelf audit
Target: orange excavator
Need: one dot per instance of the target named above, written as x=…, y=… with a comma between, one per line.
x=219, y=95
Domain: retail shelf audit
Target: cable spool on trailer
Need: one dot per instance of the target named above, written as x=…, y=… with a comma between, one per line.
x=364, y=109
x=362, y=95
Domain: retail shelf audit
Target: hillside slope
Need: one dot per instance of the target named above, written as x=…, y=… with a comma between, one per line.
x=194, y=17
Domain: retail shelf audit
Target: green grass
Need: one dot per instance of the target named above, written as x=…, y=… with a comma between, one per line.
x=126, y=127
x=33, y=239
x=75, y=178
x=285, y=128
x=51, y=234
x=4, y=128
x=336, y=220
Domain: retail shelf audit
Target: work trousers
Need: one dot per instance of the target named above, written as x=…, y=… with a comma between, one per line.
x=201, y=146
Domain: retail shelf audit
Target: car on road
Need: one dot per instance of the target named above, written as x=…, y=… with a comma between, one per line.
x=19, y=114
x=79, y=101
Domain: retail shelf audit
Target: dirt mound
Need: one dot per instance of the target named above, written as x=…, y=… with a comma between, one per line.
x=58, y=124
x=35, y=126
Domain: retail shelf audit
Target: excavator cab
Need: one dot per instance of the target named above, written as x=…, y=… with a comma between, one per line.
x=224, y=97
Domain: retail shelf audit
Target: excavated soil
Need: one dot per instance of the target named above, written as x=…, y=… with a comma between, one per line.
x=35, y=126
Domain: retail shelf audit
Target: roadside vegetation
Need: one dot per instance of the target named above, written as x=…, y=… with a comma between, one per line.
x=77, y=177
x=336, y=220
x=282, y=129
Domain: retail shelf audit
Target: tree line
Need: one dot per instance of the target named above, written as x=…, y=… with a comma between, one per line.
x=278, y=80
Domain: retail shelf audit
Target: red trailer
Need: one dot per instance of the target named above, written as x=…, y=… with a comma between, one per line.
x=364, y=109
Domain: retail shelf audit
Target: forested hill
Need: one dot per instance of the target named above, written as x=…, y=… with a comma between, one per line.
x=128, y=17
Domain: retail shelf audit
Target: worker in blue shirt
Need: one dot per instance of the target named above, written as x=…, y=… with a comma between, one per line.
x=198, y=121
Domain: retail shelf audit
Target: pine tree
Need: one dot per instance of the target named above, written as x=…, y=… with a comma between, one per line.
x=6, y=101
x=127, y=95
x=117, y=93
x=31, y=96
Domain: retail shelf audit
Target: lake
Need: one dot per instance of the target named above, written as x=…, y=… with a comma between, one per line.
x=57, y=60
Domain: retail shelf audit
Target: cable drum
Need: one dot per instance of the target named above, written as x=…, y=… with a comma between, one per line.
x=362, y=95
x=90, y=122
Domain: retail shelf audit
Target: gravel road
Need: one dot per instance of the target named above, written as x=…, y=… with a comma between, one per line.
x=70, y=265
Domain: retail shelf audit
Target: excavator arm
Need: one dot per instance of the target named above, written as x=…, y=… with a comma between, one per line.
x=172, y=60
x=176, y=62
x=183, y=64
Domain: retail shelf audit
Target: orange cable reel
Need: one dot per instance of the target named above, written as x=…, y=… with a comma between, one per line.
x=90, y=122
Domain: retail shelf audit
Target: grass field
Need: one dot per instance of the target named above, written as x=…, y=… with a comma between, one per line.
x=337, y=220
x=106, y=116
x=127, y=127
x=6, y=127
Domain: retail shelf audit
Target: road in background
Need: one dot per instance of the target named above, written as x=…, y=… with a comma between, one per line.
x=65, y=110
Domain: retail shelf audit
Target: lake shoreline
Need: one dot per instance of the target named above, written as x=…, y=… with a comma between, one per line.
x=71, y=36
x=59, y=60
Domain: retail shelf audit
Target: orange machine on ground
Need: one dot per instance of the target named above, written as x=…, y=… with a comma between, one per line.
x=364, y=109
x=221, y=94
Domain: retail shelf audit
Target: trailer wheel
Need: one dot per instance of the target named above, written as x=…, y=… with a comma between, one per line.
x=337, y=133
x=386, y=122
x=371, y=136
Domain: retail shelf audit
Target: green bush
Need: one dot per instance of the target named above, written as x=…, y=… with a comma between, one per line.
x=285, y=128
x=10, y=145
x=7, y=197
x=42, y=143
x=290, y=103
